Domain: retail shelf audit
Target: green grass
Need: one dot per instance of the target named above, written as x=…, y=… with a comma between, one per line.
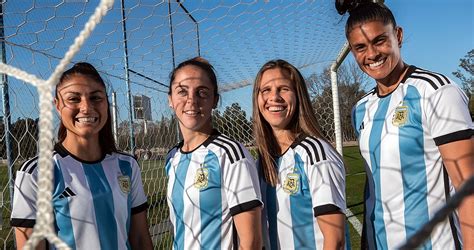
x=154, y=184
x=355, y=180
x=6, y=236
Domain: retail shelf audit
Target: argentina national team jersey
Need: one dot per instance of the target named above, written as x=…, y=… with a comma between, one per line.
x=92, y=201
x=312, y=183
x=399, y=135
x=206, y=187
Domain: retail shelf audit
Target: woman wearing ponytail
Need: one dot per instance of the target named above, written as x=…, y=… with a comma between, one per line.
x=213, y=192
x=415, y=134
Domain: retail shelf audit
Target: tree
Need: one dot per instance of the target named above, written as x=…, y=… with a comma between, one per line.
x=233, y=123
x=467, y=81
x=351, y=84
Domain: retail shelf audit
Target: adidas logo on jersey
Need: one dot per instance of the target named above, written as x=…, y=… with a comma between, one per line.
x=361, y=126
x=67, y=193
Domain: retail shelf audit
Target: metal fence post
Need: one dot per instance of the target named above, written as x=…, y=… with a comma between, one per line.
x=127, y=80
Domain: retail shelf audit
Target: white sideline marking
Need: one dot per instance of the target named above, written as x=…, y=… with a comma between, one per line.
x=354, y=221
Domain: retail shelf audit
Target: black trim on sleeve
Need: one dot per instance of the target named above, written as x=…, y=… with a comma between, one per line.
x=27, y=223
x=326, y=209
x=244, y=207
x=140, y=208
x=456, y=136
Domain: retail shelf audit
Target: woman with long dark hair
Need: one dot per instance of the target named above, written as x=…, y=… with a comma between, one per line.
x=213, y=182
x=98, y=198
x=415, y=134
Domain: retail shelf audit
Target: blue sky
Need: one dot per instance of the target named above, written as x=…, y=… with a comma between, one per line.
x=437, y=33
x=238, y=36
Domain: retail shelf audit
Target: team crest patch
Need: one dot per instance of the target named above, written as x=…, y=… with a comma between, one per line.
x=124, y=183
x=201, y=179
x=292, y=183
x=400, y=117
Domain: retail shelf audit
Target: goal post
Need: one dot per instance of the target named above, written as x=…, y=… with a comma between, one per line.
x=135, y=44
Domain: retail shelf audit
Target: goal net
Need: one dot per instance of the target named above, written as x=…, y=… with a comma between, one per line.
x=135, y=44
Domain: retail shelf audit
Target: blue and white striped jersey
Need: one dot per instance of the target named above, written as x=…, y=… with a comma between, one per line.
x=206, y=187
x=92, y=201
x=399, y=135
x=312, y=183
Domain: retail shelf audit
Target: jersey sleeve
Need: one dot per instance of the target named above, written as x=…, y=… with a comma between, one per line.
x=327, y=184
x=139, y=199
x=448, y=115
x=24, y=196
x=241, y=184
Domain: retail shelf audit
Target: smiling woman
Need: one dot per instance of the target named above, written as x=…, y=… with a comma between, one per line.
x=82, y=104
x=415, y=135
x=212, y=179
x=98, y=197
x=302, y=176
x=277, y=100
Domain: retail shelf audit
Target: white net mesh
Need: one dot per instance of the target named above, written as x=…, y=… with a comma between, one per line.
x=135, y=47
x=44, y=227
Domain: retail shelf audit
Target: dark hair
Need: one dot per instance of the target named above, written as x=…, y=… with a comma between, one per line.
x=106, y=138
x=362, y=11
x=201, y=63
x=303, y=121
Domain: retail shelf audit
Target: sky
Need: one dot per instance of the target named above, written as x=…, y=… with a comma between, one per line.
x=437, y=33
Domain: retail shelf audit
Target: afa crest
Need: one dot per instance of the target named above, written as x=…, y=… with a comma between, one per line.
x=400, y=117
x=291, y=183
x=124, y=183
x=201, y=179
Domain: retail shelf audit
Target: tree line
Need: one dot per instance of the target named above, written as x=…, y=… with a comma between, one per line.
x=233, y=121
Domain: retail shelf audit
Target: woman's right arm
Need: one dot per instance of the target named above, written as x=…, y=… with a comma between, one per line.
x=332, y=228
x=327, y=182
x=244, y=198
x=249, y=229
x=23, y=214
x=22, y=234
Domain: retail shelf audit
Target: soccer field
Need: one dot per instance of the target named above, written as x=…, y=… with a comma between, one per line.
x=355, y=181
